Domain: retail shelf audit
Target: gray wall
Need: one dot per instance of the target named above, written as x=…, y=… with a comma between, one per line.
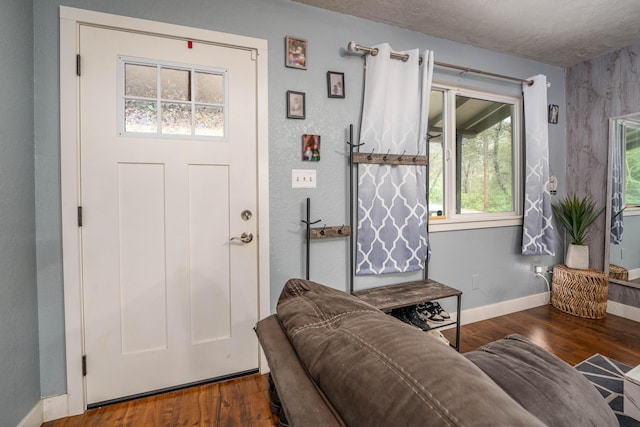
x=493, y=254
x=597, y=89
x=19, y=358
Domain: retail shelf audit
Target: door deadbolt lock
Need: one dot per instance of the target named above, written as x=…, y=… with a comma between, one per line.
x=246, y=215
x=244, y=237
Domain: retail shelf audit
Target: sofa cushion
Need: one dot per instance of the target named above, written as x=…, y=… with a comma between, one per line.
x=543, y=384
x=376, y=370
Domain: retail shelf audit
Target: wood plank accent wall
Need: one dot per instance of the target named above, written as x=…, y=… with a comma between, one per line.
x=603, y=87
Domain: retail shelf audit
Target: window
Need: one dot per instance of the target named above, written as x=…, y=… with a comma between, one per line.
x=631, y=131
x=474, y=159
x=167, y=100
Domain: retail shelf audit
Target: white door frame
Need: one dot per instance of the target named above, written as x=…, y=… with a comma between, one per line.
x=70, y=20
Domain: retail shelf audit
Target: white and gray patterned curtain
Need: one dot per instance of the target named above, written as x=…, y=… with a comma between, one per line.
x=617, y=185
x=392, y=205
x=537, y=226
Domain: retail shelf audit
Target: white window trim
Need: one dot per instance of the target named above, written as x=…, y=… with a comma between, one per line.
x=454, y=221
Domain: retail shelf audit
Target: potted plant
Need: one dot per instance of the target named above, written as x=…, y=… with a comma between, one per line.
x=576, y=215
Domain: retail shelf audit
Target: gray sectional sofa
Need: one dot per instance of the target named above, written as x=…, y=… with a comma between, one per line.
x=337, y=361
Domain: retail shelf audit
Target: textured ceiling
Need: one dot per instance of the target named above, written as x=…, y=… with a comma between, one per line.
x=557, y=32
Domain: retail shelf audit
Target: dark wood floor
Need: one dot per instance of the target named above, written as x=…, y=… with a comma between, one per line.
x=571, y=338
x=241, y=402
x=245, y=401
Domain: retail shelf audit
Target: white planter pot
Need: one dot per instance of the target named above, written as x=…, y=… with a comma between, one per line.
x=577, y=257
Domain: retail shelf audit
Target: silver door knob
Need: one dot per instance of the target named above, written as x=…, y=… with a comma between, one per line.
x=244, y=237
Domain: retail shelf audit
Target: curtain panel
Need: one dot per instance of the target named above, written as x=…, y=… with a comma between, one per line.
x=537, y=227
x=392, y=206
x=617, y=186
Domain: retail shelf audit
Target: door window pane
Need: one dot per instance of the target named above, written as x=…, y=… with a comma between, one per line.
x=140, y=81
x=140, y=116
x=209, y=88
x=176, y=119
x=209, y=121
x=176, y=84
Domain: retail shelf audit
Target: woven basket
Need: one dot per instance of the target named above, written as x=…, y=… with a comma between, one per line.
x=617, y=272
x=583, y=293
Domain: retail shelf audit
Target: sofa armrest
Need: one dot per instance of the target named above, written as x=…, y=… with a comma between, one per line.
x=303, y=403
x=542, y=383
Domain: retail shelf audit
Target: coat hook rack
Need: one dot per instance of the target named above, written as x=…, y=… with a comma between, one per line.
x=323, y=232
x=387, y=158
x=326, y=232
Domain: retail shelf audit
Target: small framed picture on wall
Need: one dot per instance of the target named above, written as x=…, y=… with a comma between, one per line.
x=295, y=105
x=310, y=148
x=335, y=84
x=554, y=110
x=296, y=53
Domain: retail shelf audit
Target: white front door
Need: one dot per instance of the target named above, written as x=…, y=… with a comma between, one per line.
x=168, y=178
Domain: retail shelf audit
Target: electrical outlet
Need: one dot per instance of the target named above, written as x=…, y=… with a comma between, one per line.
x=539, y=269
x=475, y=281
x=303, y=178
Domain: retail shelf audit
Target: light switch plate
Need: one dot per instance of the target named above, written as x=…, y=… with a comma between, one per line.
x=303, y=178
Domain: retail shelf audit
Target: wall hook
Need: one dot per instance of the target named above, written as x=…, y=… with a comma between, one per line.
x=322, y=231
x=416, y=156
x=340, y=229
x=310, y=222
x=354, y=145
x=385, y=156
x=370, y=156
x=400, y=156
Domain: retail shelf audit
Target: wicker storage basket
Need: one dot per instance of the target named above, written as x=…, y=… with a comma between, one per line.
x=583, y=293
x=617, y=272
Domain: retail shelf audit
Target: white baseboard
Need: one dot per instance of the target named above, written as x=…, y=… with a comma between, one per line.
x=472, y=315
x=507, y=307
x=34, y=417
x=55, y=407
x=634, y=273
x=46, y=409
x=485, y=312
x=622, y=310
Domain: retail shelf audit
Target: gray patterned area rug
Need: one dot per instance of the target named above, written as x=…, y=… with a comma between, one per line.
x=607, y=376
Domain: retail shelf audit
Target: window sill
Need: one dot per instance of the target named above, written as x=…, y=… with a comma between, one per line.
x=438, y=225
x=631, y=211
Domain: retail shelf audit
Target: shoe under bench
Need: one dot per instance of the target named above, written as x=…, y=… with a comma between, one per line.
x=387, y=298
